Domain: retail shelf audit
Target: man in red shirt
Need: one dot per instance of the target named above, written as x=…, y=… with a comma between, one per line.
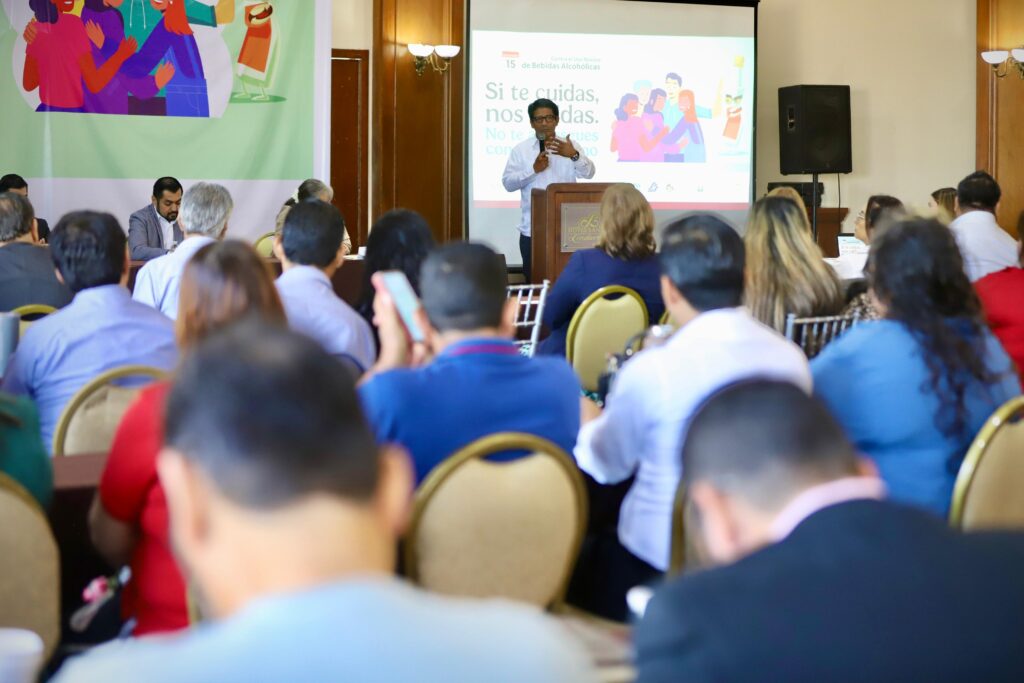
x=1002, y=298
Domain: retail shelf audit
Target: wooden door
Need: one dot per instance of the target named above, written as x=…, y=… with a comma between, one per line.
x=350, y=110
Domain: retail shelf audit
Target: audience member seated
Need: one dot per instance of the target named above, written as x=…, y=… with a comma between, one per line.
x=12, y=182
x=399, y=240
x=913, y=389
x=26, y=269
x=154, y=230
x=205, y=210
x=224, y=282
x=1002, y=300
x=310, y=251
x=985, y=246
x=624, y=256
x=101, y=329
x=880, y=207
x=285, y=516
x=478, y=383
x=654, y=395
x=944, y=200
x=822, y=580
x=789, y=193
x=310, y=189
x=23, y=457
x=786, y=272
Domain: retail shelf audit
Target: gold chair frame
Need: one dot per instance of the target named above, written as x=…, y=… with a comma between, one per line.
x=94, y=385
x=259, y=240
x=1003, y=415
x=7, y=483
x=677, y=550
x=603, y=293
x=481, y=448
x=33, y=309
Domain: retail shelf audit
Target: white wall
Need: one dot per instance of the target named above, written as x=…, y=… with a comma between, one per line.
x=911, y=68
x=352, y=25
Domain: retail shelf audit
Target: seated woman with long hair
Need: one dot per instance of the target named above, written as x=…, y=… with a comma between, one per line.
x=399, y=240
x=624, y=256
x=913, y=389
x=785, y=269
x=880, y=208
x=224, y=282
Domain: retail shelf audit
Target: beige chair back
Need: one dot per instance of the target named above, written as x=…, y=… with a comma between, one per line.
x=987, y=493
x=687, y=551
x=600, y=326
x=265, y=244
x=499, y=529
x=30, y=310
x=90, y=419
x=29, y=566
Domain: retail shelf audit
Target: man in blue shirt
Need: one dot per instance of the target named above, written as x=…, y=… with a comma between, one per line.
x=284, y=513
x=478, y=383
x=101, y=329
x=310, y=248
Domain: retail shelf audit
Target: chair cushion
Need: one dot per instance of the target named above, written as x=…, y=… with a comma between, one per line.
x=93, y=425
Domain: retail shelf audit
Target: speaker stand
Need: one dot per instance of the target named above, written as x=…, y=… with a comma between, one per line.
x=814, y=206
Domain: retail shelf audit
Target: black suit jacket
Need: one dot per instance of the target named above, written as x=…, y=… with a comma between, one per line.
x=28, y=276
x=861, y=591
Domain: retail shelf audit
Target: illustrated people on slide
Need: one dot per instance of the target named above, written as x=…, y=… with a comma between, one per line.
x=653, y=119
x=104, y=26
x=172, y=38
x=58, y=58
x=630, y=137
x=686, y=141
x=672, y=114
x=258, y=56
x=539, y=161
x=733, y=116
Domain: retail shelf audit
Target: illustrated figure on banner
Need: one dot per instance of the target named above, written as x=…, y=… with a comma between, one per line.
x=92, y=63
x=258, y=56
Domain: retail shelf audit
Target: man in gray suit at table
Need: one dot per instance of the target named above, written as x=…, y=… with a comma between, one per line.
x=153, y=230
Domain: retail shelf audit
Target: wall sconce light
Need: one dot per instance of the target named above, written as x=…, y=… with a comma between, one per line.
x=439, y=57
x=1007, y=59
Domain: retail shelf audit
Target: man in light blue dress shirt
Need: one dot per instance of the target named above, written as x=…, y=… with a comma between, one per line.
x=101, y=329
x=311, y=249
x=655, y=395
x=289, y=535
x=205, y=210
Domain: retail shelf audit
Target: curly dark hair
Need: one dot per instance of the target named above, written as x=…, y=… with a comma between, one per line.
x=916, y=271
x=399, y=240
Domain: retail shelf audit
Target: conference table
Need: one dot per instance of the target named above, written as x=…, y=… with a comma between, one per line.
x=347, y=280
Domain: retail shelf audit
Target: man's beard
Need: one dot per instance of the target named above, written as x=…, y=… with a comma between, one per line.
x=170, y=218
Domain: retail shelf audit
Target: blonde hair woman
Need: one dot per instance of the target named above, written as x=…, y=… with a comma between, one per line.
x=624, y=255
x=785, y=269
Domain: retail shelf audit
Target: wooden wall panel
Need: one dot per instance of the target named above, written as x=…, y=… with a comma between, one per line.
x=418, y=121
x=350, y=113
x=1000, y=135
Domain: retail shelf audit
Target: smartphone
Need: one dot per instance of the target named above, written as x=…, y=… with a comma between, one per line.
x=405, y=300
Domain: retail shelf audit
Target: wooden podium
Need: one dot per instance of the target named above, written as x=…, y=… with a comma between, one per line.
x=564, y=220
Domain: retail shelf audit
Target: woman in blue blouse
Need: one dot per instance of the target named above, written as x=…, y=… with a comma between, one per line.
x=913, y=389
x=624, y=256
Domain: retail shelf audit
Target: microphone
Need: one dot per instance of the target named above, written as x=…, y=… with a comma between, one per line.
x=540, y=139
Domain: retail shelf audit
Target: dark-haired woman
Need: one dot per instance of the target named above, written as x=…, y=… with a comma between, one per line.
x=223, y=283
x=399, y=240
x=912, y=390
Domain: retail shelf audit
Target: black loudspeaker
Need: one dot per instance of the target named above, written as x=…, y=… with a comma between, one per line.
x=814, y=129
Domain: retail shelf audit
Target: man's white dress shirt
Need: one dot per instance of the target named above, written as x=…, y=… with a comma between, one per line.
x=650, y=406
x=985, y=246
x=315, y=310
x=519, y=174
x=166, y=232
x=159, y=281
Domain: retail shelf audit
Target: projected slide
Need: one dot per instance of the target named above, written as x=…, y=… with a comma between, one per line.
x=672, y=115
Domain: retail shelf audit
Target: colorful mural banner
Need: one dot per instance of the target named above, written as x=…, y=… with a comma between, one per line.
x=98, y=98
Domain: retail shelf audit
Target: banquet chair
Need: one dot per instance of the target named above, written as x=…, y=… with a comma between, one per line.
x=987, y=490
x=812, y=334
x=686, y=551
x=530, y=301
x=29, y=566
x=31, y=311
x=265, y=244
x=499, y=529
x=601, y=326
x=89, y=420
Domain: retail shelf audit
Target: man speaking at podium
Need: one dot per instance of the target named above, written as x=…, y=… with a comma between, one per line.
x=537, y=162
